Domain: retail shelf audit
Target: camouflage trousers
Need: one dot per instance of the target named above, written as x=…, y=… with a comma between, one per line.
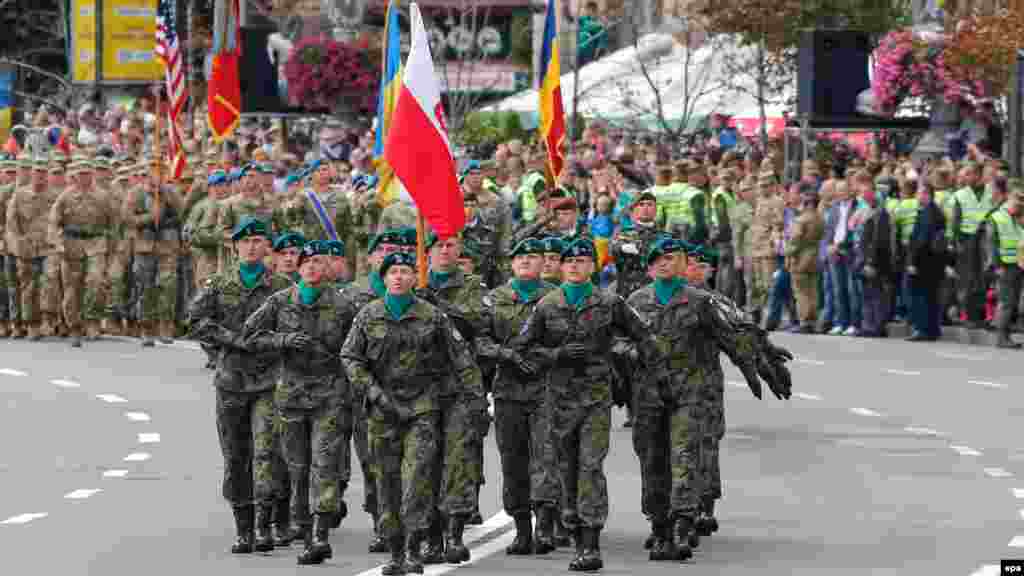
x=31, y=284
x=712, y=432
x=85, y=288
x=155, y=290
x=545, y=479
x=204, y=265
x=7, y=289
x=13, y=301
x=362, y=450
x=183, y=287
x=403, y=457
x=245, y=425
x=667, y=440
x=521, y=431
x=312, y=445
x=581, y=436
x=51, y=292
x=759, y=282
x=458, y=467
x=119, y=275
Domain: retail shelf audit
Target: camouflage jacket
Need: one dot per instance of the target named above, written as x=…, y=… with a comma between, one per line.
x=80, y=223
x=149, y=236
x=216, y=317
x=690, y=330
x=360, y=292
x=407, y=359
x=310, y=378
x=490, y=230
x=398, y=214
x=505, y=316
x=596, y=324
x=27, y=223
x=193, y=233
x=629, y=248
x=5, y=195
x=461, y=298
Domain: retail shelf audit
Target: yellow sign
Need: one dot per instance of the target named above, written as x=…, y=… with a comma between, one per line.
x=83, y=41
x=129, y=37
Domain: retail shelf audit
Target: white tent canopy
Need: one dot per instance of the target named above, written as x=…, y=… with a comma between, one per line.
x=690, y=83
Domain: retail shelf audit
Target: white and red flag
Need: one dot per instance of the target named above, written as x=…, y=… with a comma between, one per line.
x=418, y=148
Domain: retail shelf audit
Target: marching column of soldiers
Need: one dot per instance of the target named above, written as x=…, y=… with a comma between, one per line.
x=308, y=365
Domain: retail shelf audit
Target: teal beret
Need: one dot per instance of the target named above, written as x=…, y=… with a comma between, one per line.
x=662, y=246
x=580, y=247
x=289, y=240
x=249, y=226
x=312, y=248
x=335, y=247
x=529, y=246
x=397, y=259
x=553, y=245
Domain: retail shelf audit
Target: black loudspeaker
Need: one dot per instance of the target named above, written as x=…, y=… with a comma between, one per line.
x=833, y=71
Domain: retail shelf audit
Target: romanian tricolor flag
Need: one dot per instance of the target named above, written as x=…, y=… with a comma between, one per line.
x=390, y=85
x=552, y=115
x=224, y=89
x=6, y=102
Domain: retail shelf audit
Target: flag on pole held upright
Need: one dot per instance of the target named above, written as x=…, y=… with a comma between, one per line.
x=417, y=146
x=552, y=114
x=224, y=89
x=169, y=51
x=390, y=82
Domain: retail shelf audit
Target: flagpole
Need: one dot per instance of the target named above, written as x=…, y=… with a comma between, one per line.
x=421, y=249
x=157, y=153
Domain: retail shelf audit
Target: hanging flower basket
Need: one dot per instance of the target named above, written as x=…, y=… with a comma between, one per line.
x=326, y=75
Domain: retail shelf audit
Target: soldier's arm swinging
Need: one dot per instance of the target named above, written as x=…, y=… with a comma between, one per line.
x=204, y=318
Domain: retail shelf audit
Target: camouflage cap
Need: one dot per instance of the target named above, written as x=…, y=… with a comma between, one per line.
x=395, y=236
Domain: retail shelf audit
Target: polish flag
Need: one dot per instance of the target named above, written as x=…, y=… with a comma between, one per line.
x=418, y=148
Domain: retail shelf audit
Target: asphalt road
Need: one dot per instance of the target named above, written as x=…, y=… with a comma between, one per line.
x=892, y=458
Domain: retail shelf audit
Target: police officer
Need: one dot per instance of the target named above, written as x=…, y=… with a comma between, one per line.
x=571, y=333
x=520, y=426
x=244, y=382
x=398, y=353
x=306, y=324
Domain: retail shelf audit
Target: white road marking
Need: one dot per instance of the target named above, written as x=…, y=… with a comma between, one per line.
x=66, y=383
x=137, y=416
x=902, y=372
x=12, y=372
x=1017, y=542
x=997, y=385
x=732, y=436
x=1018, y=493
x=111, y=398
x=149, y=437
x=956, y=356
x=810, y=361
x=478, y=554
x=922, y=431
x=806, y=396
x=998, y=473
x=965, y=450
x=137, y=457
x=1021, y=513
x=865, y=412
x=115, y=473
x=736, y=384
x=987, y=570
x=25, y=518
x=82, y=493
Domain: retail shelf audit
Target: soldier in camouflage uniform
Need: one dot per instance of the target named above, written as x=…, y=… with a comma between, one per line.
x=489, y=224
x=120, y=249
x=79, y=223
x=463, y=417
x=399, y=355
x=8, y=176
x=50, y=293
x=552, y=269
x=765, y=232
x=26, y=231
x=571, y=333
x=299, y=213
x=252, y=201
x=155, y=263
x=520, y=426
x=560, y=218
x=469, y=260
x=200, y=231
x=306, y=324
x=399, y=214
x=337, y=266
x=244, y=381
x=287, y=250
x=22, y=179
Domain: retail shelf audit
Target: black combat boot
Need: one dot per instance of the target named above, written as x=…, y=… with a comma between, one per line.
x=653, y=536
x=544, y=543
x=457, y=552
x=1005, y=341
x=563, y=538
x=523, y=544
x=243, y=530
x=378, y=544
x=413, y=556
x=706, y=523
x=435, y=541
x=282, y=520
x=659, y=549
x=342, y=508
x=320, y=548
x=589, y=560
x=263, y=541
x=683, y=528
x=396, y=566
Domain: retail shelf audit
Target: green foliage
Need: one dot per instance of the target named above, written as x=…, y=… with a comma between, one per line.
x=489, y=128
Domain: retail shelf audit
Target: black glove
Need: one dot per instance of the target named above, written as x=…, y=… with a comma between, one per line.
x=750, y=375
x=572, y=352
x=295, y=341
x=779, y=380
x=778, y=353
x=516, y=360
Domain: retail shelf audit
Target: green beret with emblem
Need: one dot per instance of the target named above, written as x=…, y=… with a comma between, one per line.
x=397, y=259
x=661, y=247
x=580, y=247
x=312, y=248
x=335, y=248
x=288, y=240
x=529, y=246
x=249, y=226
x=553, y=245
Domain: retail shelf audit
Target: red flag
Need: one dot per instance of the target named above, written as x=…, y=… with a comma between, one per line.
x=11, y=147
x=224, y=90
x=418, y=148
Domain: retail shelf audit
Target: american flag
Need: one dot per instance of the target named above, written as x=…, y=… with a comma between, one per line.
x=169, y=52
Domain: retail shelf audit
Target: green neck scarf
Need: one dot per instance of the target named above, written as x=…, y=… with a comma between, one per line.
x=397, y=304
x=295, y=276
x=525, y=289
x=377, y=284
x=576, y=294
x=251, y=274
x=308, y=294
x=666, y=289
x=438, y=279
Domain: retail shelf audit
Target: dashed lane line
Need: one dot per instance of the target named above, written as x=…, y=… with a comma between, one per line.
x=137, y=457
x=65, y=383
x=806, y=396
x=1018, y=493
x=1017, y=542
x=920, y=431
x=987, y=570
x=965, y=450
x=902, y=372
x=865, y=412
x=986, y=384
x=810, y=361
x=149, y=438
x=24, y=518
x=115, y=473
x=82, y=493
x=998, y=473
x=111, y=398
x=12, y=372
x=137, y=416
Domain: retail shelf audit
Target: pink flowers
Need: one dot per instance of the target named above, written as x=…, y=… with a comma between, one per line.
x=321, y=72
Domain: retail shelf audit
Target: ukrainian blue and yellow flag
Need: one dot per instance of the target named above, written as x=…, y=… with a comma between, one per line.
x=390, y=85
x=552, y=114
x=6, y=102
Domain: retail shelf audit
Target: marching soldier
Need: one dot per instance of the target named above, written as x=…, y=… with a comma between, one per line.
x=79, y=223
x=26, y=231
x=337, y=266
x=244, y=382
x=200, y=231
x=50, y=294
x=552, y=269
x=306, y=325
x=156, y=222
x=399, y=352
x=22, y=179
x=252, y=201
x=490, y=224
x=629, y=246
x=310, y=211
x=119, y=263
x=8, y=177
